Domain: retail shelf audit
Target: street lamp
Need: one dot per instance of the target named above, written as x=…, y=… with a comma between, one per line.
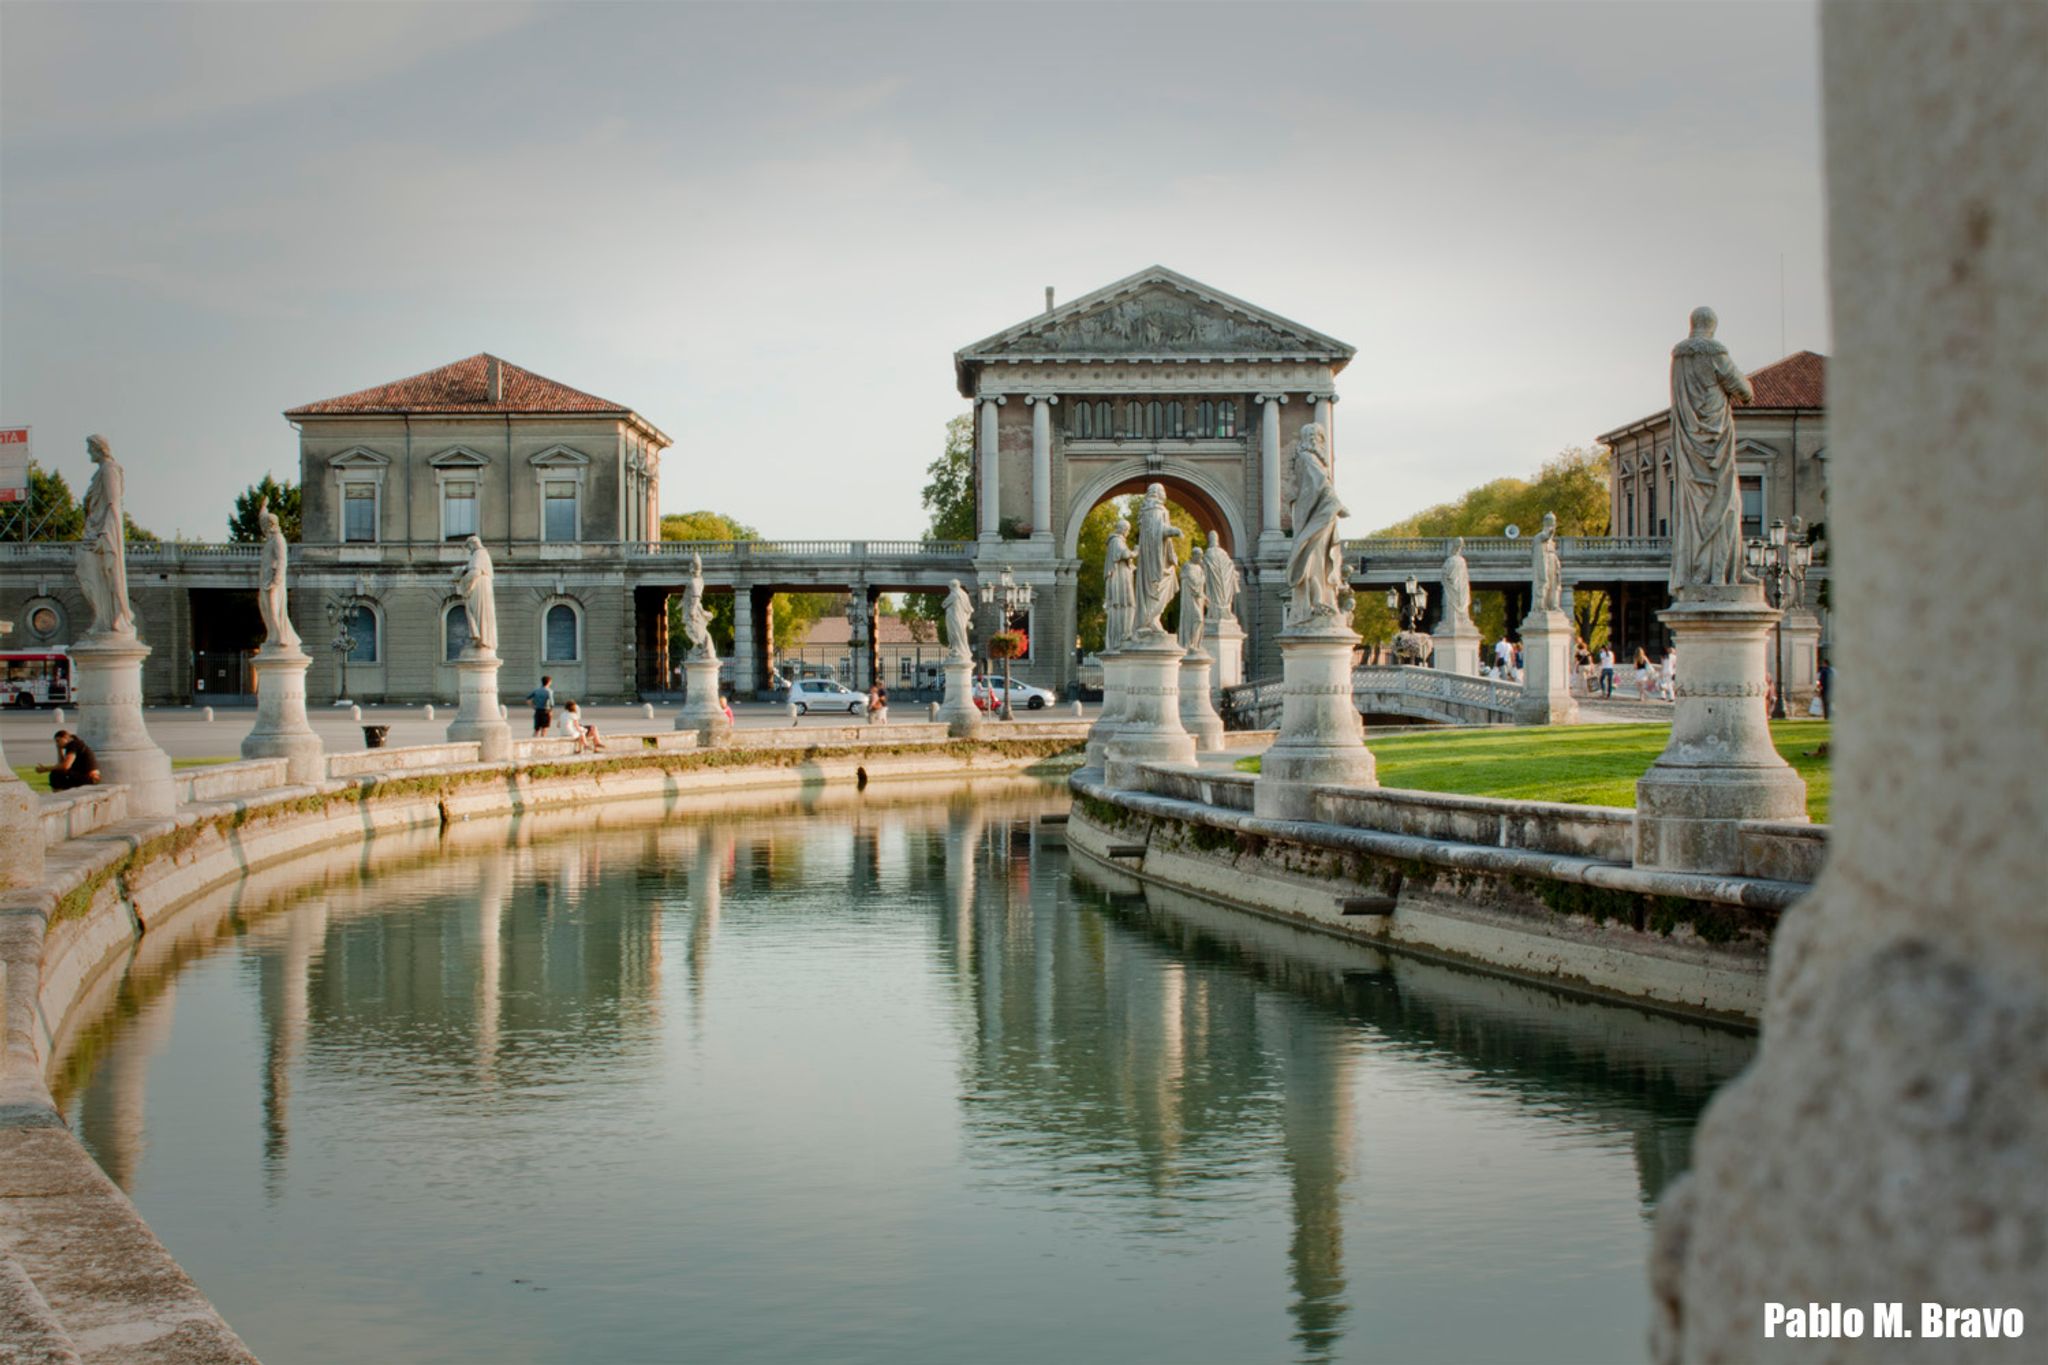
x=856, y=632
x=341, y=617
x=1781, y=559
x=1012, y=597
x=1408, y=602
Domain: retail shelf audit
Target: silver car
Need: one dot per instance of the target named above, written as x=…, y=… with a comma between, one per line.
x=823, y=694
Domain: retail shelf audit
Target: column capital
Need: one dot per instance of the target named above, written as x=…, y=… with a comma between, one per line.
x=1271, y=397
x=1041, y=398
x=1320, y=397
x=998, y=399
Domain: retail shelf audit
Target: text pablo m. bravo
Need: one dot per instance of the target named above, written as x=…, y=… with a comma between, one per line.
x=1828, y=1321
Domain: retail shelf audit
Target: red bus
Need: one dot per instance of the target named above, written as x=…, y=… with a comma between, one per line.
x=35, y=678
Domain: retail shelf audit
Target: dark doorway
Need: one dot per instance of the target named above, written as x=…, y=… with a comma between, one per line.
x=226, y=629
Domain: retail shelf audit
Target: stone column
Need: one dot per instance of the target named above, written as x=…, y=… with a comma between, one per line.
x=1321, y=740
x=1457, y=645
x=1041, y=466
x=962, y=717
x=21, y=825
x=478, y=716
x=1801, y=673
x=989, y=478
x=1888, y=1140
x=1197, y=703
x=701, y=710
x=1326, y=412
x=1150, y=730
x=109, y=669
x=746, y=660
x=281, y=730
x=1270, y=460
x=1546, y=670
x=1223, y=642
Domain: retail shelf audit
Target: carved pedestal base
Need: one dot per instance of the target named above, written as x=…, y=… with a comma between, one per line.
x=281, y=729
x=21, y=830
x=1547, y=640
x=1321, y=740
x=1105, y=727
x=963, y=720
x=1223, y=642
x=1150, y=731
x=1457, y=648
x=702, y=712
x=109, y=671
x=1801, y=672
x=1197, y=708
x=1720, y=767
x=478, y=716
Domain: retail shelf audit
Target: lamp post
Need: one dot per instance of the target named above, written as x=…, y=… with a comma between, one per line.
x=340, y=616
x=1011, y=597
x=856, y=632
x=1408, y=602
x=1781, y=559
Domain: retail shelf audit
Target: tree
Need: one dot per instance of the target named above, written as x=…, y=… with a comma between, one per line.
x=948, y=495
x=284, y=502
x=137, y=535
x=51, y=512
x=1094, y=541
x=791, y=614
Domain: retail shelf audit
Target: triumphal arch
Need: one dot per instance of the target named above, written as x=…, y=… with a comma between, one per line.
x=1155, y=378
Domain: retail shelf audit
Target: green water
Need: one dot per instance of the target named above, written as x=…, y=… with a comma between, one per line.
x=891, y=1082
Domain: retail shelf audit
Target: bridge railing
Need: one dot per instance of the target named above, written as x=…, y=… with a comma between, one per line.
x=1569, y=548
x=811, y=549
x=1256, y=705
x=150, y=552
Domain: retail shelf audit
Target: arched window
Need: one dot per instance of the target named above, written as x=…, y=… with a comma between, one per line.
x=1176, y=420
x=1226, y=418
x=1155, y=419
x=561, y=635
x=454, y=632
x=361, y=622
x=1205, y=418
x=1103, y=429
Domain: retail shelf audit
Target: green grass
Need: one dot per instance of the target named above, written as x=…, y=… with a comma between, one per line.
x=41, y=781
x=1581, y=765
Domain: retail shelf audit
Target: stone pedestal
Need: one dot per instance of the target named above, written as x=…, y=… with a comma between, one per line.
x=1104, y=729
x=1457, y=648
x=963, y=720
x=1720, y=767
x=1801, y=672
x=701, y=711
x=109, y=669
x=1547, y=639
x=1197, y=707
x=21, y=830
x=1150, y=730
x=281, y=729
x=478, y=717
x=1321, y=740
x=1223, y=641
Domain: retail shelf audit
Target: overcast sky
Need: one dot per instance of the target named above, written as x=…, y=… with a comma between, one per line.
x=768, y=227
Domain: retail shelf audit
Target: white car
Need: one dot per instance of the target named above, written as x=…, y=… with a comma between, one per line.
x=823, y=694
x=988, y=694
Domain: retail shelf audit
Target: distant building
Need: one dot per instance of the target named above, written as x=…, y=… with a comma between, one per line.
x=904, y=650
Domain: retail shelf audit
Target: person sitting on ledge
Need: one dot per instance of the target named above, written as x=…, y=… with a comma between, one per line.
x=586, y=736
x=76, y=765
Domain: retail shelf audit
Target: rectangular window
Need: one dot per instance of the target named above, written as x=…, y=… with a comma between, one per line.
x=1752, y=506
x=1651, y=519
x=558, y=510
x=458, y=510
x=1628, y=509
x=359, y=513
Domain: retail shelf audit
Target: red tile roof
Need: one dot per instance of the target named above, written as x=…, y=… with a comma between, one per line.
x=464, y=387
x=1800, y=380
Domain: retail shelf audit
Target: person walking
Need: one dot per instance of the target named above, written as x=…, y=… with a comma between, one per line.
x=76, y=765
x=543, y=699
x=1826, y=682
x=1503, y=656
x=1642, y=675
x=1607, y=671
x=1667, y=686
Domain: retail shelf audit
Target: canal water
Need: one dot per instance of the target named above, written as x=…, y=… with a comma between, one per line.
x=893, y=1080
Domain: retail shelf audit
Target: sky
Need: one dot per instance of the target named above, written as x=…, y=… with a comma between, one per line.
x=767, y=227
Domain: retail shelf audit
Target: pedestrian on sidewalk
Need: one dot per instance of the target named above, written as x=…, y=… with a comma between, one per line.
x=1607, y=671
x=543, y=699
x=1642, y=675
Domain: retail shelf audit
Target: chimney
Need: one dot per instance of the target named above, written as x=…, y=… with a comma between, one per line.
x=494, y=380
x=1048, y=298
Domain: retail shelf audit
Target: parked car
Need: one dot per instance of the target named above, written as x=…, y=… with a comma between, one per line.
x=988, y=695
x=823, y=694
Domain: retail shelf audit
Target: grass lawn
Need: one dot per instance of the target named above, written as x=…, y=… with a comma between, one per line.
x=1582, y=765
x=40, y=782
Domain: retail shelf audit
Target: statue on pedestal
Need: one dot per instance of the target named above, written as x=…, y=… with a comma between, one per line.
x=1315, y=566
x=1457, y=581
x=1706, y=545
x=278, y=634
x=1119, y=588
x=1546, y=571
x=1222, y=577
x=1158, y=573
x=103, y=546
x=696, y=620
x=959, y=622
x=473, y=581
x=1194, y=603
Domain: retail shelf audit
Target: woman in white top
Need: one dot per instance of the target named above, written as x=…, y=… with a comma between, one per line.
x=1642, y=676
x=586, y=736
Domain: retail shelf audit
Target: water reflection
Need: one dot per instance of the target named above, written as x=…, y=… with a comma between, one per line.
x=1233, y=1139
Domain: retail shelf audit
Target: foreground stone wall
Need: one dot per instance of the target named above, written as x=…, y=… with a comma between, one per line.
x=1890, y=1142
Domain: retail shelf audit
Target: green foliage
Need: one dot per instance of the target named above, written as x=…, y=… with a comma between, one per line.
x=137, y=535
x=51, y=512
x=948, y=494
x=791, y=614
x=1006, y=644
x=284, y=502
x=1573, y=484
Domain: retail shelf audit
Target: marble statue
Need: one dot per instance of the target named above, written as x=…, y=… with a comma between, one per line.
x=473, y=581
x=1457, y=581
x=696, y=620
x=1194, y=602
x=959, y=622
x=1546, y=573
x=1223, y=580
x=270, y=590
x=1315, y=566
x=1119, y=588
x=1706, y=545
x=1157, y=564
x=103, y=545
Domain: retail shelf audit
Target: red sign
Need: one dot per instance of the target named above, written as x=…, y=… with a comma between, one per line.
x=14, y=448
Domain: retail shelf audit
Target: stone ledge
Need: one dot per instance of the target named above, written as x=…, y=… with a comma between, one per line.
x=221, y=781
x=75, y=814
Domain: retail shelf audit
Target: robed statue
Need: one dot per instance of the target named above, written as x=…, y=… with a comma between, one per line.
x=1223, y=581
x=696, y=620
x=1157, y=564
x=1194, y=603
x=1457, y=581
x=1315, y=566
x=473, y=582
x=278, y=634
x=103, y=546
x=1706, y=542
x=959, y=622
x=1546, y=572
x=1119, y=588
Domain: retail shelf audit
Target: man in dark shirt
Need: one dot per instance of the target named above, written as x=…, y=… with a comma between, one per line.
x=543, y=699
x=76, y=764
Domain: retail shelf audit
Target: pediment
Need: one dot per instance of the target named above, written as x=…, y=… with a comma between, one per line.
x=559, y=457
x=459, y=457
x=1157, y=313
x=359, y=457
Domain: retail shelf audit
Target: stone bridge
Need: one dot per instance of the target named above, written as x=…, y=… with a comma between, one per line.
x=1389, y=690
